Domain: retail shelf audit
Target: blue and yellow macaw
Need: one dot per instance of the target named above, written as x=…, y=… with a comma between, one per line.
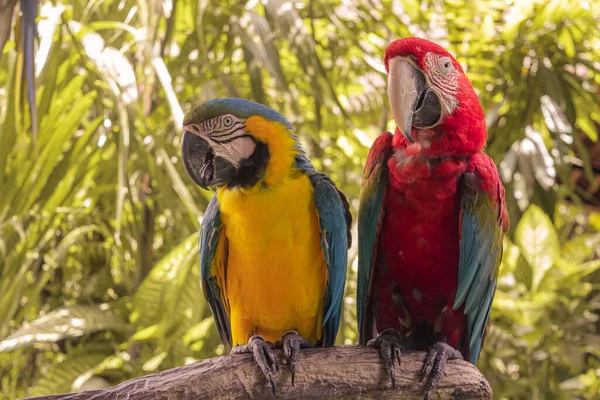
x=275, y=236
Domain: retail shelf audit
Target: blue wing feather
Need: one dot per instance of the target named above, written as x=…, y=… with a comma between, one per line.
x=370, y=216
x=480, y=255
x=335, y=221
x=211, y=233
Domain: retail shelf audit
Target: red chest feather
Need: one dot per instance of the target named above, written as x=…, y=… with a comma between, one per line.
x=420, y=233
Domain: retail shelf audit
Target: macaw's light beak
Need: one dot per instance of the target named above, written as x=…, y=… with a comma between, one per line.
x=413, y=102
x=201, y=164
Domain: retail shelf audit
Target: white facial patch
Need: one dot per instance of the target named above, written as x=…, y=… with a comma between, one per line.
x=236, y=150
x=443, y=77
x=227, y=137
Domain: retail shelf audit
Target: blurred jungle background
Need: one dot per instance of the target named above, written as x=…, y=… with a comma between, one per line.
x=98, y=219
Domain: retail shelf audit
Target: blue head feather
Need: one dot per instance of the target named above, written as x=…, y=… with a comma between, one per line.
x=241, y=108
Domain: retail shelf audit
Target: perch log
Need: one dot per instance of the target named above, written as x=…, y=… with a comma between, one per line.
x=346, y=372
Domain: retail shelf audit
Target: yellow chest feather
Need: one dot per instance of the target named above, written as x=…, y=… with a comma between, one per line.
x=276, y=275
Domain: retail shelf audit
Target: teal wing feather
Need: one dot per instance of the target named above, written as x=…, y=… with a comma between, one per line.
x=483, y=221
x=335, y=222
x=211, y=235
x=370, y=217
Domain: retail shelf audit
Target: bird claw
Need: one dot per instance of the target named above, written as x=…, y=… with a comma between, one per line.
x=435, y=364
x=262, y=353
x=390, y=345
x=291, y=343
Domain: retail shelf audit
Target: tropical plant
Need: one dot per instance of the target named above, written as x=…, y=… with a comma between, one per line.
x=545, y=313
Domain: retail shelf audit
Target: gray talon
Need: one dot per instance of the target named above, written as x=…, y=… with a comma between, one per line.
x=262, y=352
x=390, y=345
x=291, y=343
x=435, y=364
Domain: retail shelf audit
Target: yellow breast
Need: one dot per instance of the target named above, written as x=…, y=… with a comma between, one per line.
x=276, y=274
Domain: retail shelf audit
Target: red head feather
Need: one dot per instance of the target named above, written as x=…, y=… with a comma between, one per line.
x=462, y=131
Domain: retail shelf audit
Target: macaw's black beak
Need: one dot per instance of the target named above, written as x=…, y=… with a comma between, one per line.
x=413, y=102
x=201, y=164
x=198, y=159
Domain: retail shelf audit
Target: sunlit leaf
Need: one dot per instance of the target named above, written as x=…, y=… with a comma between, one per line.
x=584, y=270
x=161, y=282
x=153, y=363
x=146, y=333
x=566, y=40
x=537, y=238
x=198, y=331
x=61, y=376
x=587, y=126
x=581, y=248
x=62, y=323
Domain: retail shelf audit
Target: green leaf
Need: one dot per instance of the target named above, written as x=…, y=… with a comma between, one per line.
x=148, y=333
x=587, y=126
x=594, y=220
x=184, y=303
x=536, y=237
x=581, y=248
x=566, y=40
x=510, y=257
x=161, y=282
x=584, y=270
x=153, y=363
x=524, y=272
x=179, y=186
x=198, y=331
x=62, y=323
x=566, y=266
x=61, y=377
x=111, y=25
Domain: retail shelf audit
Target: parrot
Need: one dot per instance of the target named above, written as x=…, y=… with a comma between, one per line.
x=275, y=236
x=432, y=217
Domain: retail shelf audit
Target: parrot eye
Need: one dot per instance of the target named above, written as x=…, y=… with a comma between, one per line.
x=227, y=121
x=445, y=65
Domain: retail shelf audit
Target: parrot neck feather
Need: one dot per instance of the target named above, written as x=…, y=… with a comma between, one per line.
x=446, y=140
x=282, y=149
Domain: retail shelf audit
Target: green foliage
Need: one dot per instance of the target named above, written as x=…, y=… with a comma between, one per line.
x=99, y=278
x=68, y=374
x=62, y=323
x=545, y=316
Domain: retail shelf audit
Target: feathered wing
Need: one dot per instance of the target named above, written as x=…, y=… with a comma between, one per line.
x=335, y=221
x=213, y=266
x=483, y=222
x=370, y=218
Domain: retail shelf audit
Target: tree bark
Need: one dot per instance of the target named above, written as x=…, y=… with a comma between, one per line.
x=346, y=372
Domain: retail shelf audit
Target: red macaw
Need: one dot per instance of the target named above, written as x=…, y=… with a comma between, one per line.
x=432, y=216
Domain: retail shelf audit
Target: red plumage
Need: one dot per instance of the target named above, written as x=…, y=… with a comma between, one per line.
x=420, y=242
x=431, y=183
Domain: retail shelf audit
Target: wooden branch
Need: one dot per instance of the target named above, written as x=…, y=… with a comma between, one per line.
x=333, y=373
